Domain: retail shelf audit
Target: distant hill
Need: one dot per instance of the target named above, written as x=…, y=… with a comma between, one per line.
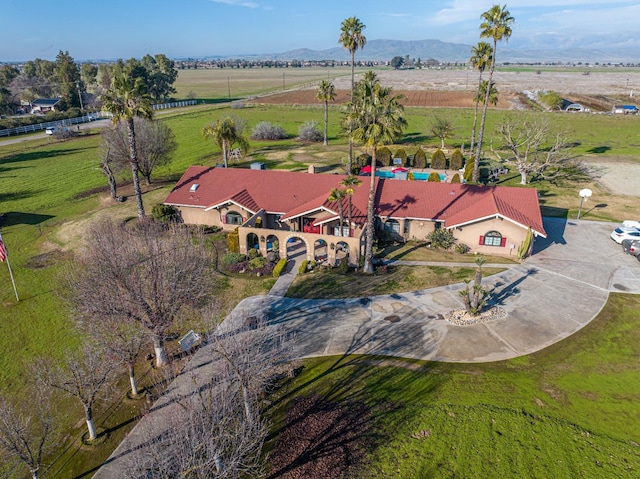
x=385, y=50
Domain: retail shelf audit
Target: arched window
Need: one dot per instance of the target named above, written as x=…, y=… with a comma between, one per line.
x=233, y=218
x=493, y=238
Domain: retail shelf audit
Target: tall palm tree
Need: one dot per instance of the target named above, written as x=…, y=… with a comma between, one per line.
x=326, y=93
x=480, y=58
x=482, y=93
x=378, y=118
x=352, y=39
x=350, y=183
x=496, y=24
x=337, y=195
x=225, y=133
x=126, y=99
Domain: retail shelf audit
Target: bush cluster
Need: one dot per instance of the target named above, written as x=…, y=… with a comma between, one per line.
x=433, y=176
x=233, y=241
x=279, y=268
x=265, y=130
x=456, y=159
x=420, y=159
x=383, y=156
x=165, y=213
x=441, y=238
x=309, y=131
x=438, y=160
x=461, y=248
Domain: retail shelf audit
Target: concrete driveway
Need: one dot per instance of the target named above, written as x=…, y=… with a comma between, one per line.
x=556, y=292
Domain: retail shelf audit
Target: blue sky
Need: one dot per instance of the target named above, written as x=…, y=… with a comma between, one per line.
x=93, y=29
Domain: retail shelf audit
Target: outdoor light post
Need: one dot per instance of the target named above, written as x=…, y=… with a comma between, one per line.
x=584, y=194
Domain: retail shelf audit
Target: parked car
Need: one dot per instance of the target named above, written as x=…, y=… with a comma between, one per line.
x=631, y=224
x=625, y=232
x=631, y=247
x=51, y=130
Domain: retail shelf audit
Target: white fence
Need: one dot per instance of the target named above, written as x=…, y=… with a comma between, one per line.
x=83, y=119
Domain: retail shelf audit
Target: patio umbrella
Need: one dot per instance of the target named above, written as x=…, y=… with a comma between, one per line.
x=365, y=170
x=399, y=169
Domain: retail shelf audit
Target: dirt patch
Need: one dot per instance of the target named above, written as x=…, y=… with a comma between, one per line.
x=618, y=176
x=45, y=260
x=321, y=440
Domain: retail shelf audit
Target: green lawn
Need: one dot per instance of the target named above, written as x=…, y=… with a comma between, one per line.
x=570, y=410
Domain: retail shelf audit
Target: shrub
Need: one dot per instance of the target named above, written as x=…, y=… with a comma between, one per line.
x=438, y=160
x=362, y=159
x=461, y=248
x=233, y=258
x=456, y=159
x=303, y=267
x=165, y=213
x=343, y=266
x=441, y=238
x=411, y=176
x=257, y=262
x=279, y=268
x=468, y=170
x=435, y=177
x=253, y=253
x=384, y=156
x=309, y=131
x=233, y=241
x=456, y=178
x=420, y=159
x=265, y=130
x=400, y=153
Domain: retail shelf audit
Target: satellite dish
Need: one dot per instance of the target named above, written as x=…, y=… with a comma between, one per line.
x=586, y=193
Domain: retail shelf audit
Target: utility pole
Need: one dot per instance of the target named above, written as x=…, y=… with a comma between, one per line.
x=79, y=95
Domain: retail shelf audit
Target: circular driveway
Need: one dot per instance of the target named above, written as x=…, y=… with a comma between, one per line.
x=556, y=292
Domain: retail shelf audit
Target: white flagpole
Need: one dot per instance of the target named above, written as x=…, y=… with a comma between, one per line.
x=13, y=282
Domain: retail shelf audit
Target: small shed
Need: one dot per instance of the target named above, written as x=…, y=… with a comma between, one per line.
x=43, y=105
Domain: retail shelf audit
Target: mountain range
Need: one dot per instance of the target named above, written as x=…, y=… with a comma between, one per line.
x=385, y=50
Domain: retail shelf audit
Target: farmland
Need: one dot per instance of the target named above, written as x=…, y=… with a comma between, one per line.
x=52, y=190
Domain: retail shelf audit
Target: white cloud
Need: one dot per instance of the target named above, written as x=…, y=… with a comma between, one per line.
x=238, y=3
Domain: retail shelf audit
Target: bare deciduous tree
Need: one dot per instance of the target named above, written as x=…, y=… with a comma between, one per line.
x=155, y=143
x=84, y=374
x=27, y=437
x=122, y=337
x=146, y=274
x=535, y=149
x=217, y=432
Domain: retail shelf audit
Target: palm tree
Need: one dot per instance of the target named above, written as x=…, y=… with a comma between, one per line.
x=350, y=183
x=352, y=39
x=496, y=25
x=225, y=133
x=326, y=93
x=482, y=93
x=480, y=57
x=128, y=98
x=377, y=118
x=337, y=195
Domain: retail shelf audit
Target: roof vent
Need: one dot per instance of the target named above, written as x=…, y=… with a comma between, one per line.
x=194, y=187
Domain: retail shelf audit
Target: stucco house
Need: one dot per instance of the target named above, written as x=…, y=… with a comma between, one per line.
x=279, y=209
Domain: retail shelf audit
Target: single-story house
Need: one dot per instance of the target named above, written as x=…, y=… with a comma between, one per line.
x=43, y=105
x=275, y=210
x=624, y=109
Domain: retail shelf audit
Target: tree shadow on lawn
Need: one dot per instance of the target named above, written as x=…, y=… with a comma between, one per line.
x=13, y=218
x=42, y=154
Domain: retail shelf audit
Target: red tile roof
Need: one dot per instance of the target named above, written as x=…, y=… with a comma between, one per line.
x=293, y=194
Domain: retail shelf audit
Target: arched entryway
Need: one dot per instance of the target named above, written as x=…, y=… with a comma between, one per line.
x=252, y=241
x=320, y=251
x=273, y=244
x=342, y=251
x=296, y=246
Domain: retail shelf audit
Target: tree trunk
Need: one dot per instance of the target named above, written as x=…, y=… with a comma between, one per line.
x=326, y=122
x=341, y=213
x=161, y=353
x=484, y=114
x=132, y=379
x=34, y=474
x=350, y=214
x=134, y=167
x=225, y=154
x=350, y=160
x=475, y=116
x=90, y=425
x=368, y=255
x=246, y=399
x=523, y=177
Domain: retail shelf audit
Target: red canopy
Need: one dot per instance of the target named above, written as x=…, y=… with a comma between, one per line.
x=366, y=169
x=399, y=169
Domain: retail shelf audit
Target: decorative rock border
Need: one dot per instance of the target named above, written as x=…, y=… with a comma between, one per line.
x=460, y=317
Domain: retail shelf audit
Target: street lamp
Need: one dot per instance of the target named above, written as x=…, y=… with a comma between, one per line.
x=584, y=194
